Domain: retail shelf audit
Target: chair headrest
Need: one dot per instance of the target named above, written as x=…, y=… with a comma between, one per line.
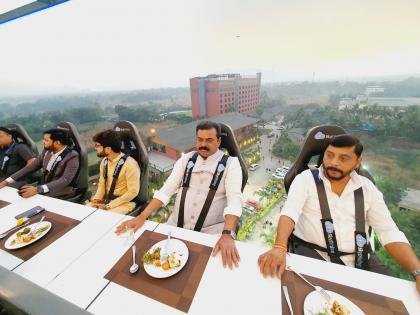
x=315, y=143
x=21, y=136
x=76, y=141
x=131, y=141
x=229, y=143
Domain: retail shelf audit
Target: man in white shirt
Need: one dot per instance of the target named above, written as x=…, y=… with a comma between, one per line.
x=302, y=215
x=209, y=197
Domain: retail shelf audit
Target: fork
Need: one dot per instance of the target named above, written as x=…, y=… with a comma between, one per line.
x=164, y=256
x=318, y=289
x=36, y=226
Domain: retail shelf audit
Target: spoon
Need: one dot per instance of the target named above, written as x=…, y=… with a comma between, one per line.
x=134, y=267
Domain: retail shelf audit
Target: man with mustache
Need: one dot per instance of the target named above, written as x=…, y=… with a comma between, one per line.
x=328, y=213
x=119, y=175
x=59, y=164
x=209, y=197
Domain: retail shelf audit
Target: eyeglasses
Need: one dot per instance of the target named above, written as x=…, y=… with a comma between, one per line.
x=97, y=145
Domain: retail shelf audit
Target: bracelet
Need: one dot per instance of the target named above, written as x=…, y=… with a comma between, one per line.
x=280, y=246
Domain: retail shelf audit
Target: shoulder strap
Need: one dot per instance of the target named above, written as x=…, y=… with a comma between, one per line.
x=360, y=238
x=185, y=185
x=110, y=195
x=7, y=155
x=326, y=221
x=217, y=177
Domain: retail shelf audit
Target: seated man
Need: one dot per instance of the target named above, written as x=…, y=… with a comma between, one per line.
x=209, y=199
x=60, y=166
x=325, y=213
x=13, y=157
x=119, y=176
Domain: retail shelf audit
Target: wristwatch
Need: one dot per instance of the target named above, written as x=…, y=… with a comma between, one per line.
x=416, y=273
x=230, y=232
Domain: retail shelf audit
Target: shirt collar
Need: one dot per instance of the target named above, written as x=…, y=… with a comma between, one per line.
x=214, y=157
x=354, y=182
x=59, y=152
x=116, y=159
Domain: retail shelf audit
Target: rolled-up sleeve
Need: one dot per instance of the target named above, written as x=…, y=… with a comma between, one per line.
x=172, y=184
x=380, y=219
x=296, y=197
x=233, y=185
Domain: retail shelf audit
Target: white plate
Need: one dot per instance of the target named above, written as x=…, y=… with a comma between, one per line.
x=8, y=245
x=176, y=246
x=314, y=303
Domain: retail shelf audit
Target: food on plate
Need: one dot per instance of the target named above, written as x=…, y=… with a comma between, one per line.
x=153, y=257
x=25, y=236
x=339, y=309
x=333, y=309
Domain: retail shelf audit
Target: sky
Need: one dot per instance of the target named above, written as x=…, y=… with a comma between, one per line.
x=102, y=45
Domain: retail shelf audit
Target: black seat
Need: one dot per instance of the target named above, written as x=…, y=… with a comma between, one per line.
x=82, y=177
x=315, y=143
x=21, y=136
x=132, y=144
x=230, y=144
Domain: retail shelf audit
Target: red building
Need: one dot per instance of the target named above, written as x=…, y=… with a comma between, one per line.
x=215, y=95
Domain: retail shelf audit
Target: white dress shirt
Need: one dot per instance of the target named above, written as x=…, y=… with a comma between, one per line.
x=302, y=206
x=227, y=200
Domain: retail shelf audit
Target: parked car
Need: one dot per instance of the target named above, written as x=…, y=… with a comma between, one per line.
x=253, y=167
x=270, y=135
x=278, y=176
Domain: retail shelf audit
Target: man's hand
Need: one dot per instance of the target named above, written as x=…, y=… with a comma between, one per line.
x=226, y=246
x=134, y=224
x=96, y=201
x=3, y=184
x=273, y=262
x=28, y=191
x=100, y=206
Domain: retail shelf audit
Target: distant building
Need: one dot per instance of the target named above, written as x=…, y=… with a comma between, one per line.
x=216, y=95
x=373, y=89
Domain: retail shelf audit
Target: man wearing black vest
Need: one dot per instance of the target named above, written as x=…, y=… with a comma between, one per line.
x=328, y=214
x=209, y=197
x=119, y=175
x=59, y=165
x=13, y=157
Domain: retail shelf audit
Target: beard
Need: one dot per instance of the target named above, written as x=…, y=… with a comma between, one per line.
x=101, y=155
x=335, y=173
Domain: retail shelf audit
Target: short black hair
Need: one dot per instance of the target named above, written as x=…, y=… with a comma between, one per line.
x=207, y=125
x=57, y=134
x=109, y=138
x=347, y=140
x=6, y=130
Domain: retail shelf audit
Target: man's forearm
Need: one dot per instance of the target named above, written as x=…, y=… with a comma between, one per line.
x=404, y=255
x=153, y=205
x=284, y=229
x=231, y=222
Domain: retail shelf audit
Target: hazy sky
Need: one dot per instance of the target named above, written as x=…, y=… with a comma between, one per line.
x=133, y=44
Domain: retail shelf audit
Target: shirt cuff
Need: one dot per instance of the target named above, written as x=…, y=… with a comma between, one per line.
x=291, y=214
x=233, y=210
x=162, y=197
x=392, y=237
x=10, y=180
x=45, y=189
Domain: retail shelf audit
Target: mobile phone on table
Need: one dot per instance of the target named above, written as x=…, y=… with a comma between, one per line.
x=30, y=213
